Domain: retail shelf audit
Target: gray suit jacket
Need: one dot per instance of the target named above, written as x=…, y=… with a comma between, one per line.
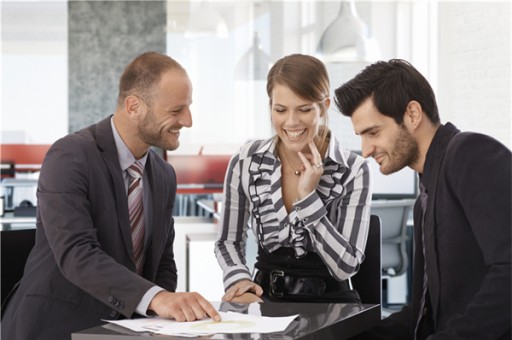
x=81, y=270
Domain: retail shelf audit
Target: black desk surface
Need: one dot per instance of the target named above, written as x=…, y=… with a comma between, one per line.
x=321, y=321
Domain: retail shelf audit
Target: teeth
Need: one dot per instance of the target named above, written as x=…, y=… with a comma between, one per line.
x=174, y=131
x=295, y=134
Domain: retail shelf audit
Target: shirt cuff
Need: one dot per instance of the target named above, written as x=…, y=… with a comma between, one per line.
x=142, y=307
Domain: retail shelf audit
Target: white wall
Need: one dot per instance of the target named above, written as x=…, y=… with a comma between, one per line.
x=34, y=97
x=469, y=69
x=474, y=86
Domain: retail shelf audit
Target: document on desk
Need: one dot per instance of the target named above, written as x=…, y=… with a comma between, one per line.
x=232, y=322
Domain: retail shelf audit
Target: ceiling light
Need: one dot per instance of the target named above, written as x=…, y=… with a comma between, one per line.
x=347, y=38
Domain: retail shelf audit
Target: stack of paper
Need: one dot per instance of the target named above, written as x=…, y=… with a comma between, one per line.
x=231, y=323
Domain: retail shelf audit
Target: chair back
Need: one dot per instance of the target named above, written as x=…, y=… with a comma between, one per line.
x=367, y=281
x=393, y=215
x=16, y=246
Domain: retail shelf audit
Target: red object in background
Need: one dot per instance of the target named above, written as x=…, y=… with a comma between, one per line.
x=199, y=173
x=195, y=173
x=25, y=157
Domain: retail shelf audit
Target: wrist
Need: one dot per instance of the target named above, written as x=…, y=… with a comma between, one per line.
x=155, y=301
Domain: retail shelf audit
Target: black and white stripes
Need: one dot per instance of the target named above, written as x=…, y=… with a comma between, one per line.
x=332, y=221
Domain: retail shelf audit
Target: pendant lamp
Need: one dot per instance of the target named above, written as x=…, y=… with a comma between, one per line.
x=254, y=64
x=346, y=38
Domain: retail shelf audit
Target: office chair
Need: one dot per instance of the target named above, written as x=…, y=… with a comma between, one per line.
x=16, y=246
x=367, y=281
x=396, y=248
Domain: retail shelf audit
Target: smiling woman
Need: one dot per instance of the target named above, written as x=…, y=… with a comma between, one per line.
x=306, y=197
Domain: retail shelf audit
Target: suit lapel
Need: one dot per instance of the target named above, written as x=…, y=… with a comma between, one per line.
x=446, y=134
x=158, y=236
x=106, y=143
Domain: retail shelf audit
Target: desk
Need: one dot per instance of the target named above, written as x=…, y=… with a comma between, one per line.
x=11, y=222
x=7, y=186
x=316, y=321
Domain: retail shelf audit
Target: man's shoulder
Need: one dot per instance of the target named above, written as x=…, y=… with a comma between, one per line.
x=473, y=142
x=468, y=149
x=75, y=140
x=85, y=134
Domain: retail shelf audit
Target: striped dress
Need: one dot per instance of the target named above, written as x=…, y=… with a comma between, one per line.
x=332, y=221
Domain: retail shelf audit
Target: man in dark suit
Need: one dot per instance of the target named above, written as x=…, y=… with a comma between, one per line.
x=84, y=266
x=462, y=218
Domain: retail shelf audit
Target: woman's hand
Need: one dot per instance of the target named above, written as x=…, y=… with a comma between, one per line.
x=247, y=298
x=313, y=171
x=243, y=291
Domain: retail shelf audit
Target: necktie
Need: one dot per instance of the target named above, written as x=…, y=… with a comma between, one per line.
x=135, y=209
x=423, y=201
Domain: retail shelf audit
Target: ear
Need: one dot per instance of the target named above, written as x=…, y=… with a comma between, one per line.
x=327, y=104
x=133, y=105
x=413, y=115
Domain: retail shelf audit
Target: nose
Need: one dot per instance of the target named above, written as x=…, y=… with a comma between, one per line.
x=186, y=118
x=291, y=117
x=367, y=148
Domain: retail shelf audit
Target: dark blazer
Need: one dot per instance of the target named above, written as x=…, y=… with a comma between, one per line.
x=81, y=270
x=467, y=243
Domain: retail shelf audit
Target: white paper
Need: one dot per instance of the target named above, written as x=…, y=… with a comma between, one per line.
x=232, y=322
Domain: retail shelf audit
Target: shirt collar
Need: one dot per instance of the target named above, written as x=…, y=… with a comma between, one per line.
x=125, y=155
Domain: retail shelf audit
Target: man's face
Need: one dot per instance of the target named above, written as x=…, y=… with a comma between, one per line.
x=168, y=112
x=390, y=144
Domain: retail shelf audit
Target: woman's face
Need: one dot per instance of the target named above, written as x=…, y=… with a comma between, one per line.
x=295, y=120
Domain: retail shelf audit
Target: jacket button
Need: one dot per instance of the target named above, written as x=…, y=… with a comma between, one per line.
x=110, y=299
x=113, y=314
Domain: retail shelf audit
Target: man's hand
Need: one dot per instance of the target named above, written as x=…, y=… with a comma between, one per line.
x=243, y=291
x=183, y=306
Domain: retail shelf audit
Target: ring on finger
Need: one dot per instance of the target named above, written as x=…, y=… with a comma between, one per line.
x=319, y=165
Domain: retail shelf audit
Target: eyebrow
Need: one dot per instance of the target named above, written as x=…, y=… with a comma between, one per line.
x=179, y=106
x=300, y=106
x=367, y=130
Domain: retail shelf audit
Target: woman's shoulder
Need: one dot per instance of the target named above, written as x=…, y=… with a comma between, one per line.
x=253, y=147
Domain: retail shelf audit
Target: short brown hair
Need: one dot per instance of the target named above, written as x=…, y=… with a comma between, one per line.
x=143, y=73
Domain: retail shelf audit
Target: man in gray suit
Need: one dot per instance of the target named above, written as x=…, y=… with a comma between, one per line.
x=83, y=267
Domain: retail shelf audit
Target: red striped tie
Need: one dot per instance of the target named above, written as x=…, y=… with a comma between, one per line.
x=135, y=209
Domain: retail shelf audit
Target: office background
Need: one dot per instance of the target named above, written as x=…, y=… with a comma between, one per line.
x=61, y=63
x=61, y=60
